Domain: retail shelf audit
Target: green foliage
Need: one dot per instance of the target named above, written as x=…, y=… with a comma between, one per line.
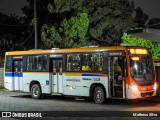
x=156, y=50
x=135, y=41
x=109, y=19
x=50, y=37
x=71, y=33
x=60, y=6
x=102, y=22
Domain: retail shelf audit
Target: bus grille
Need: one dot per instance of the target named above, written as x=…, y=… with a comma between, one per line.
x=147, y=94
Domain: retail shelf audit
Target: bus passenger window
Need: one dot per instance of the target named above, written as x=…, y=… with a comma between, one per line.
x=92, y=62
x=28, y=67
x=86, y=67
x=39, y=66
x=37, y=63
x=8, y=63
x=73, y=62
x=44, y=65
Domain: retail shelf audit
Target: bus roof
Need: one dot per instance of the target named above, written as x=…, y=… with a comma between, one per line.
x=67, y=50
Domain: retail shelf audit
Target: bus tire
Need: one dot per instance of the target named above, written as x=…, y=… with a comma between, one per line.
x=36, y=91
x=99, y=95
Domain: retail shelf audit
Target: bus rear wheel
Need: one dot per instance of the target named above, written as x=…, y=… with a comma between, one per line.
x=99, y=95
x=36, y=91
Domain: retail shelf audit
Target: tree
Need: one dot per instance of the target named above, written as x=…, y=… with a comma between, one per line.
x=108, y=19
x=140, y=18
x=70, y=25
x=71, y=33
x=135, y=41
x=43, y=17
x=12, y=34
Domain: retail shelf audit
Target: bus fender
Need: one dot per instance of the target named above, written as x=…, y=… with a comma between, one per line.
x=93, y=86
x=32, y=83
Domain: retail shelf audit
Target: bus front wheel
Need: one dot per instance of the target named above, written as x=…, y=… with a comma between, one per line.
x=99, y=96
x=36, y=91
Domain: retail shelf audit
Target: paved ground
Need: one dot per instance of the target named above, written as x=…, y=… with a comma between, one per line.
x=16, y=101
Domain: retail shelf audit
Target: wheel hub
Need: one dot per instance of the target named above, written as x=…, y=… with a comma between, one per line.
x=35, y=91
x=99, y=95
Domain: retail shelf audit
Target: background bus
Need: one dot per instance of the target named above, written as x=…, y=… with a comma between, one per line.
x=97, y=72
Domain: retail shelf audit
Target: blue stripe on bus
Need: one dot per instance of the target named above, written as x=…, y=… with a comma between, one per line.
x=90, y=75
x=13, y=75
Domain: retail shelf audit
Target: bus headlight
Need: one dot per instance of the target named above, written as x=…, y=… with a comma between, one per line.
x=155, y=86
x=134, y=87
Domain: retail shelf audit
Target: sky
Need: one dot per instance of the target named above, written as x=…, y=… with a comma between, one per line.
x=150, y=7
x=12, y=6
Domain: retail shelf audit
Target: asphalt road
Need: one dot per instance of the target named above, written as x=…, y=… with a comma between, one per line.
x=17, y=101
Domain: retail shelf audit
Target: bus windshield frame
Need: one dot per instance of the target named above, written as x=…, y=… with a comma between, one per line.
x=142, y=69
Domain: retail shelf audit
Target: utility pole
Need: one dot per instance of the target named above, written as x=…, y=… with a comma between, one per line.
x=35, y=23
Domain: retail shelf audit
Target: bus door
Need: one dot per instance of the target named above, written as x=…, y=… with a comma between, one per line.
x=18, y=75
x=117, y=77
x=56, y=65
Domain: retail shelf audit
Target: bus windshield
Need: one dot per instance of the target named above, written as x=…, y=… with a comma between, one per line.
x=142, y=68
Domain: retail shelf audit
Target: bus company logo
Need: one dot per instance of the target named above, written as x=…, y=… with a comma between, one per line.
x=55, y=56
x=17, y=57
x=115, y=53
x=6, y=114
x=73, y=80
x=96, y=79
x=86, y=78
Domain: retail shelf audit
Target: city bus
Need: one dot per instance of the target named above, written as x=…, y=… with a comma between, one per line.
x=119, y=72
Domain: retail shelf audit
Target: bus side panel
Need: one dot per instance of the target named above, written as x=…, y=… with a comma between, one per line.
x=79, y=85
x=42, y=78
x=8, y=82
x=73, y=85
